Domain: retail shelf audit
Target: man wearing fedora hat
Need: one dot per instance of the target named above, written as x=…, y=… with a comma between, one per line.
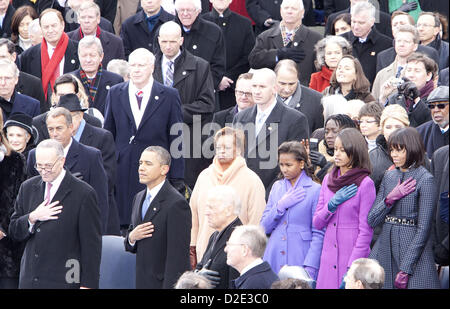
x=20, y=132
x=99, y=138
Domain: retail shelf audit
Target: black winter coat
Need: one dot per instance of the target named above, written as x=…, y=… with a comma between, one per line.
x=12, y=174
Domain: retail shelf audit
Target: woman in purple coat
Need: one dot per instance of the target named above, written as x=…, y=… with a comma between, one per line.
x=345, y=200
x=288, y=214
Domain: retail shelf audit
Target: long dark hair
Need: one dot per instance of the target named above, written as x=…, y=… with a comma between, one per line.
x=355, y=146
x=299, y=152
x=408, y=138
x=361, y=83
x=17, y=18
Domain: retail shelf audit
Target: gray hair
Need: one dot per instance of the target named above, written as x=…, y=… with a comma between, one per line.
x=89, y=5
x=34, y=26
x=333, y=104
x=227, y=196
x=363, y=6
x=142, y=52
x=51, y=144
x=162, y=153
x=302, y=7
x=88, y=41
x=197, y=4
x=411, y=29
x=369, y=272
x=60, y=111
x=254, y=237
x=10, y=65
x=118, y=66
x=192, y=280
x=330, y=39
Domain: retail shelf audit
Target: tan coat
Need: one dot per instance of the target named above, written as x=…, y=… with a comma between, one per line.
x=246, y=183
x=382, y=76
x=125, y=9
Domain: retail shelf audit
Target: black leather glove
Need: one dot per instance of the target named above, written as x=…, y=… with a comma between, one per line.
x=295, y=54
x=409, y=90
x=440, y=255
x=212, y=276
x=179, y=185
x=408, y=7
x=317, y=158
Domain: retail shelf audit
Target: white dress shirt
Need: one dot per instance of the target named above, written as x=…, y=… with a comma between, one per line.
x=51, y=50
x=132, y=90
x=261, y=116
x=66, y=149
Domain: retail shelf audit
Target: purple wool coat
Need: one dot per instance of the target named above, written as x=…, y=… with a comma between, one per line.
x=348, y=234
x=293, y=240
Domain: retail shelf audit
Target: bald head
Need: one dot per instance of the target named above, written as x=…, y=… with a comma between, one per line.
x=263, y=87
x=170, y=39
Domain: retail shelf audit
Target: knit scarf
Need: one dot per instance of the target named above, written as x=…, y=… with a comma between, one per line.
x=353, y=176
x=91, y=84
x=424, y=93
x=49, y=65
x=97, y=33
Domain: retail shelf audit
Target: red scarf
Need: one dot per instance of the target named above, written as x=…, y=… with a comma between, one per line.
x=97, y=33
x=49, y=65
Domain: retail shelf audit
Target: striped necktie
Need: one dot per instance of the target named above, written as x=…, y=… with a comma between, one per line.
x=169, y=74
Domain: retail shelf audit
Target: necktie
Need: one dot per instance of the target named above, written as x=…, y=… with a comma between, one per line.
x=259, y=123
x=169, y=74
x=139, y=96
x=399, y=70
x=146, y=205
x=47, y=194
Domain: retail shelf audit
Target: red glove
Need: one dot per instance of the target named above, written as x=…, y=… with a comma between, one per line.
x=401, y=280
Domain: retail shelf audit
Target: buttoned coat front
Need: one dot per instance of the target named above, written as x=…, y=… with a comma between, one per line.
x=402, y=247
x=293, y=240
x=347, y=235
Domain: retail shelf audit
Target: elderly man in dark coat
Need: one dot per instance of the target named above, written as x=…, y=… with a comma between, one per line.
x=289, y=39
x=439, y=169
x=366, y=41
x=190, y=75
x=435, y=132
x=239, y=42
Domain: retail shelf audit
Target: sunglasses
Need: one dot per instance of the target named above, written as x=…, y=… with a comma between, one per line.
x=440, y=105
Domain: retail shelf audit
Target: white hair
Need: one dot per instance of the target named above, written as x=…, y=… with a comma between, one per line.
x=300, y=2
x=88, y=41
x=34, y=26
x=333, y=105
x=51, y=144
x=10, y=65
x=197, y=4
x=227, y=196
x=254, y=237
x=142, y=53
x=363, y=6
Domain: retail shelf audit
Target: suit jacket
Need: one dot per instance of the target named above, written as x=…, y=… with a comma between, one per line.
x=53, y=246
x=367, y=52
x=225, y=116
x=386, y=57
x=264, y=53
x=432, y=137
x=383, y=25
x=5, y=29
x=162, y=258
x=258, y=277
x=41, y=125
x=135, y=33
x=309, y=102
x=88, y=162
x=32, y=86
x=23, y=104
x=163, y=111
x=107, y=80
x=30, y=60
x=215, y=258
x=102, y=140
x=111, y=43
x=283, y=124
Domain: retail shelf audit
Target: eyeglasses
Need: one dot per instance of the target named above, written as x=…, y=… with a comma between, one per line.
x=366, y=121
x=440, y=105
x=425, y=25
x=186, y=11
x=46, y=167
x=232, y=244
x=242, y=93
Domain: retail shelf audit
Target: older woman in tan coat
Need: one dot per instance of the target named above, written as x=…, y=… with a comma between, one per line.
x=228, y=168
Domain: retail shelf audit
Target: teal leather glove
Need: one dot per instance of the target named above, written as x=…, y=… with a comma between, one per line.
x=342, y=195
